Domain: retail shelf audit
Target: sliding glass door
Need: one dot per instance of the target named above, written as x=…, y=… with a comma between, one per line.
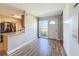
x=43, y=28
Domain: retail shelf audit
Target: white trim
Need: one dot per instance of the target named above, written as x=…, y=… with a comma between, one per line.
x=9, y=52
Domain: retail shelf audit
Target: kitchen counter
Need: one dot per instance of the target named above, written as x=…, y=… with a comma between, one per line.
x=18, y=32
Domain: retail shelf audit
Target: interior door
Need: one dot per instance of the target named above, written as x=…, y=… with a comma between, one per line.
x=53, y=29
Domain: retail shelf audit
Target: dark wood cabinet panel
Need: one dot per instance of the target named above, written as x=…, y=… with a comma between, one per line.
x=6, y=27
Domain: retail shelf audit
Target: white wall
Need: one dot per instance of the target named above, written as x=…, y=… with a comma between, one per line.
x=66, y=31
x=29, y=34
x=60, y=27
x=70, y=45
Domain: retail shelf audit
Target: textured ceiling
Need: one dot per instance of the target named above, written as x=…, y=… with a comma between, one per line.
x=41, y=9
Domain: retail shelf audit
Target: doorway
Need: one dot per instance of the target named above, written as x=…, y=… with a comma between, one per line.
x=43, y=28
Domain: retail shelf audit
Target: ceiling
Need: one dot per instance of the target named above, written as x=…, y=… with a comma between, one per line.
x=41, y=9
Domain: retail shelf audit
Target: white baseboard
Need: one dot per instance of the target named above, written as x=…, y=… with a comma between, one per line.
x=9, y=52
x=65, y=50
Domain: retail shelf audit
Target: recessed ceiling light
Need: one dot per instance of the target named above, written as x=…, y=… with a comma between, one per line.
x=17, y=16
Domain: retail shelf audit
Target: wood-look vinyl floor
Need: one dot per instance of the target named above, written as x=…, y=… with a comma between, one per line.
x=0, y=46
x=41, y=47
x=1, y=50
